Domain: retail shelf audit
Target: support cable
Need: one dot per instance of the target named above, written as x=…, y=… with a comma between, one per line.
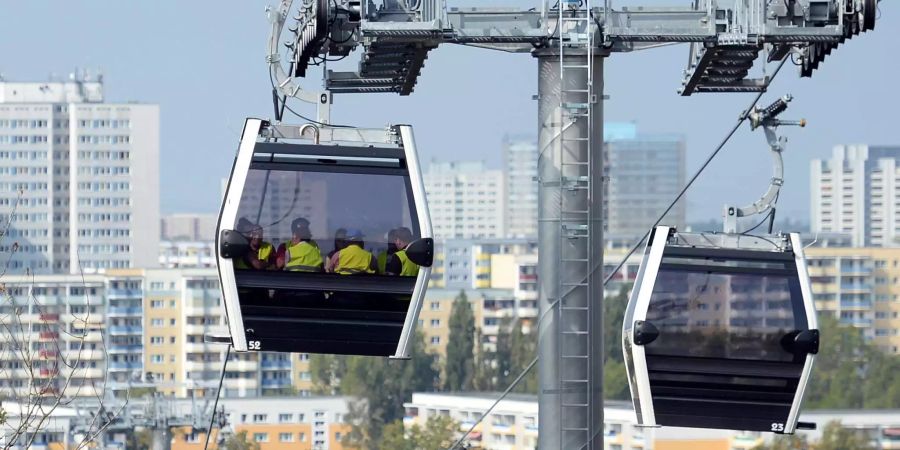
x=741, y=120
x=743, y=117
x=212, y=418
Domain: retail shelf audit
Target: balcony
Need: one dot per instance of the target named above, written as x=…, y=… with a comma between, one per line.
x=856, y=271
x=856, y=287
x=48, y=335
x=856, y=304
x=857, y=322
x=276, y=382
x=125, y=330
x=124, y=293
x=49, y=317
x=119, y=311
x=125, y=348
x=118, y=365
x=275, y=364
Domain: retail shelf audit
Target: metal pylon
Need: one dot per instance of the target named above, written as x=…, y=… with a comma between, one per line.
x=576, y=61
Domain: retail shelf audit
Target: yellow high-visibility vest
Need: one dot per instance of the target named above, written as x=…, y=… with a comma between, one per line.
x=407, y=267
x=265, y=250
x=382, y=261
x=305, y=257
x=353, y=259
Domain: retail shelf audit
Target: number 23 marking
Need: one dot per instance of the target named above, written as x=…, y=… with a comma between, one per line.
x=777, y=426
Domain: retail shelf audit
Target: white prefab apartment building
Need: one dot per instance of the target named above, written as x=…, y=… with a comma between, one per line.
x=79, y=178
x=466, y=200
x=857, y=192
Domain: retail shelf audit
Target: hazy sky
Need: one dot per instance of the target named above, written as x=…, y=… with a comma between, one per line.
x=203, y=63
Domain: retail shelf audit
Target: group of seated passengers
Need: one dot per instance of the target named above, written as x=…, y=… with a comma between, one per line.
x=349, y=257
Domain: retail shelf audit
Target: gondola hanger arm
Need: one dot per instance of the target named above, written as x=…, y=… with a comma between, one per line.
x=767, y=119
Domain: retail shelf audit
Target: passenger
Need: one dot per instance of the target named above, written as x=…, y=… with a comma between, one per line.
x=340, y=236
x=399, y=263
x=353, y=259
x=261, y=255
x=301, y=253
x=391, y=249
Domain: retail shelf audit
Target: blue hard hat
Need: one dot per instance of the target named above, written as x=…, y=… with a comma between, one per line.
x=353, y=233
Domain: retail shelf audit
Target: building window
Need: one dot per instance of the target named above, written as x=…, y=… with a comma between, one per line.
x=260, y=437
x=285, y=418
x=259, y=418
x=337, y=436
x=435, y=323
x=302, y=437
x=435, y=340
x=285, y=437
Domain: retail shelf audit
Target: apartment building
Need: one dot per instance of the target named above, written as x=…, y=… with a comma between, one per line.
x=861, y=288
x=513, y=423
x=79, y=177
x=466, y=263
x=520, y=168
x=644, y=170
x=188, y=227
x=61, y=318
x=275, y=423
x=187, y=254
x=857, y=191
x=466, y=200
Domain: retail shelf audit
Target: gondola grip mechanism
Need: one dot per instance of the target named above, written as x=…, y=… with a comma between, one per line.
x=421, y=252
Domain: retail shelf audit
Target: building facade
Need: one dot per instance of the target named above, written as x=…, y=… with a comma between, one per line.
x=513, y=423
x=861, y=288
x=520, y=164
x=466, y=200
x=188, y=227
x=857, y=192
x=79, y=177
x=645, y=172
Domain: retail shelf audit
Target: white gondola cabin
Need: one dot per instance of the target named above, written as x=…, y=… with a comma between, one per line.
x=324, y=248
x=720, y=331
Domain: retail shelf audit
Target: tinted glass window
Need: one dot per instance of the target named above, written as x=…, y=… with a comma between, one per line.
x=371, y=204
x=705, y=313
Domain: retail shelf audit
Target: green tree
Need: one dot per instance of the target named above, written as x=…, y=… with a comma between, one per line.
x=836, y=437
x=139, y=439
x=837, y=381
x=239, y=441
x=460, y=363
x=523, y=349
x=326, y=373
x=382, y=385
x=483, y=377
x=785, y=442
x=615, y=377
x=437, y=434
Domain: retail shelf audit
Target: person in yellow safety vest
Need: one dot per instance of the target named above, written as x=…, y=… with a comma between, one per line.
x=391, y=249
x=261, y=255
x=301, y=253
x=399, y=263
x=340, y=241
x=353, y=258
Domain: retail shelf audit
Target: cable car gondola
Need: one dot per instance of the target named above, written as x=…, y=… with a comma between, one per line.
x=720, y=329
x=303, y=245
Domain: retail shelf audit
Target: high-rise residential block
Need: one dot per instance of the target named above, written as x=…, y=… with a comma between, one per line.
x=861, y=288
x=188, y=227
x=466, y=200
x=520, y=163
x=857, y=192
x=79, y=178
x=645, y=172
